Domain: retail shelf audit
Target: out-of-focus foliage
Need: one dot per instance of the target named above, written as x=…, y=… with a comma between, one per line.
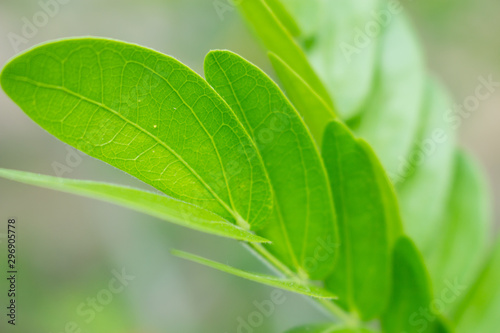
x=216, y=149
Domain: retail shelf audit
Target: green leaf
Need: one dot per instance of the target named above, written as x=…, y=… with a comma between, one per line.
x=367, y=222
x=391, y=118
x=464, y=237
x=290, y=285
x=148, y=115
x=425, y=178
x=345, y=50
x=411, y=308
x=328, y=328
x=479, y=311
x=160, y=206
x=284, y=16
x=309, y=104
x=279, y=41
x=303, y=226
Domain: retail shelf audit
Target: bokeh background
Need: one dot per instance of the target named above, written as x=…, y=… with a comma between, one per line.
x=70, y=247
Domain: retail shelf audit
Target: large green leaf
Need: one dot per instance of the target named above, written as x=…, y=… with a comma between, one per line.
x=303, y=226
x=285, y=284
x=362, y=275
x=345, y=48
x=411, y=308
x=479, y=311
x=309, y=104
x=160, y=206
x=328, y=328
x=390, y=119
x=146, y=114
x=425, y=177
x=278, y=40
x=463, y=239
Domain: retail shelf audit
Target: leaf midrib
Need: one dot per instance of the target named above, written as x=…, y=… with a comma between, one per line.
x=137, y=126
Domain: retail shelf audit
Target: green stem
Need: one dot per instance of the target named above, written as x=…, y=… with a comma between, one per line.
x=347, y=318
x=264, y=253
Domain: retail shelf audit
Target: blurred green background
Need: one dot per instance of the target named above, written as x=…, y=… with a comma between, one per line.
x=71, y=247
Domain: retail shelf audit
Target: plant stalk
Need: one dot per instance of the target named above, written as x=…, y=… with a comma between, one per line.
x=347, y=319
